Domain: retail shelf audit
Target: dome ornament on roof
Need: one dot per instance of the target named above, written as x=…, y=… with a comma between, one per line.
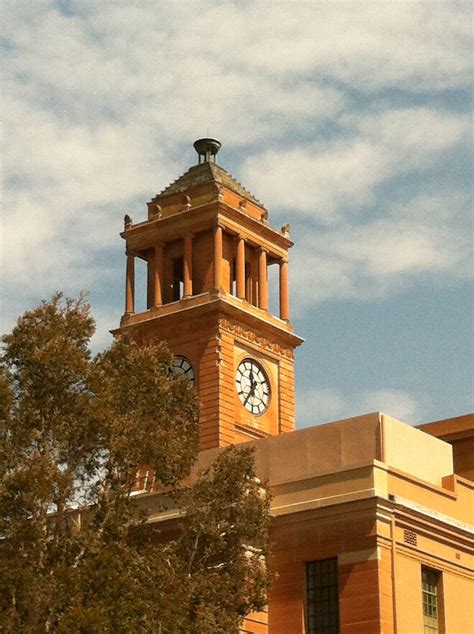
x=207, y=149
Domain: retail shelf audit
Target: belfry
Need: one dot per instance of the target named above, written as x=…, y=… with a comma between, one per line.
x=208, y=245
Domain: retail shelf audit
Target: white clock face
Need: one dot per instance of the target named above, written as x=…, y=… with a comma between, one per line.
x=253, y=386
x=181, y=365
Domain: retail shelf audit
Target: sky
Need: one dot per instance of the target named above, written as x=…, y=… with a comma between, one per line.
x=349, y=120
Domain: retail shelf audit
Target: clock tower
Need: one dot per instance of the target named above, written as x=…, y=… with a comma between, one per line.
x=207, y=246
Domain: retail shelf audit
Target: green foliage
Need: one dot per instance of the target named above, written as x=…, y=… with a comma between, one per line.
x=226, y=535
x=77, y=553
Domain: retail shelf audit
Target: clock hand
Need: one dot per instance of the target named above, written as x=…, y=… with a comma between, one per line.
x=253, y=382
x=253, y=385
x=251, y=393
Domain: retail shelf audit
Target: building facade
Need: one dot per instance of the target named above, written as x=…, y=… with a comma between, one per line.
x=372, y=518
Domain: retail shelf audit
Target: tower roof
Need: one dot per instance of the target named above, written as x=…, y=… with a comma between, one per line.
x=207, y=172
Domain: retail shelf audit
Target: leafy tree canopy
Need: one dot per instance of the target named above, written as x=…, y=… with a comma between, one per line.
x=76, y=551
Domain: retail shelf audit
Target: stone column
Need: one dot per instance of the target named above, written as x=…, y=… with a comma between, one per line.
x=158, y=277
x=284, y=301
x=130, y=285
x=262, y=280
x=188, y=265
x=240, y=268
x=217, y=257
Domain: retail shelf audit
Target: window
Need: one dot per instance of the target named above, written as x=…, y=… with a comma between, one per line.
x=430, y=584
x=322, y=597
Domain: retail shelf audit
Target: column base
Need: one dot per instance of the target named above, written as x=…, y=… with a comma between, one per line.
x=125, y=317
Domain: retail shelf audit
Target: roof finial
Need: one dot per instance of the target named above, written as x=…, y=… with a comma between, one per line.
x=207, y=148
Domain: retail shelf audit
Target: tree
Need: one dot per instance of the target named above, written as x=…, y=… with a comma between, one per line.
x=76, y=551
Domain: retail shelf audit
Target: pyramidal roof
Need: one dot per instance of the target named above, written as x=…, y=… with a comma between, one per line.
x=207, y=172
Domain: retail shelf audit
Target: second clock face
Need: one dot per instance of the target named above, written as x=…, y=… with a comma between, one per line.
x=181, y=365
x=253, y=386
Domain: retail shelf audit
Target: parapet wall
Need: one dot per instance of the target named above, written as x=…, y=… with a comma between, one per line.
x=370, y=456
x=412, y=451
x=346, y=444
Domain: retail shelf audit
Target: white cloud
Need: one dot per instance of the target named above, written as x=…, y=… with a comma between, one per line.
x=93, y=109
x=98, y=102
x=324, y=108
x=319, y=405
x=67, y=189
x=417, y=45
x=323, y=182
x=417, y=133
x=317, y=182
x=397, y=403
x=145, y=63
x=106, y=319
x=230, y=66
x=424, y=236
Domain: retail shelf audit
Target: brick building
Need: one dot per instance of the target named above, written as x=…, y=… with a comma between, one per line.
x=373, y=518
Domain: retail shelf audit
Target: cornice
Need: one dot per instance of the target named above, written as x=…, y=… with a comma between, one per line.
x=252, y=322
x=195, y=219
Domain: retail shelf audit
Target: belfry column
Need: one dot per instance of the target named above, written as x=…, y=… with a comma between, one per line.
x=240, y=268
x=284, y=300
x=217, y=257
x=262, y=280
x=158, y=277
x=188, y=265
x=130, y=284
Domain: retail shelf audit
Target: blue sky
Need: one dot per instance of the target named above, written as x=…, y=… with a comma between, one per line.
x=350, y=120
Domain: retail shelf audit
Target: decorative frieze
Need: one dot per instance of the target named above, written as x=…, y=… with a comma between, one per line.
x=253, y=337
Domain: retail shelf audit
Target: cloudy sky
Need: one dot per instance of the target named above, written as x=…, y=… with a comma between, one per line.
x=350, y=120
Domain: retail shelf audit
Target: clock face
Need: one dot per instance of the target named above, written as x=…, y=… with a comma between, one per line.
x=181, y=365
x=253, y=386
